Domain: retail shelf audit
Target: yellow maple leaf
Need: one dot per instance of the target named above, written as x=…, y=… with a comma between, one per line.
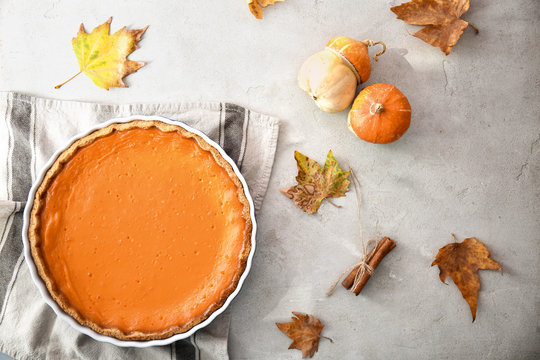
x=103, y=57
x=255, y=6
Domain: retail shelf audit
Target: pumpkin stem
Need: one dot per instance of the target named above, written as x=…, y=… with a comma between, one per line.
x=376, y=108
x=369, y=42
x=474, y=27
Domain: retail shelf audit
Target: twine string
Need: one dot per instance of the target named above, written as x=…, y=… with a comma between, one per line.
x=363, y=264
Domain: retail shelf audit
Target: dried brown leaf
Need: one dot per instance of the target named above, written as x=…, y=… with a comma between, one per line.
x=442, y=17
x=305, y=331
x=461, y=261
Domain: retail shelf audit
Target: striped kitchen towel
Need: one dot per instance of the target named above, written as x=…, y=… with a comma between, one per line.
x=31, y=129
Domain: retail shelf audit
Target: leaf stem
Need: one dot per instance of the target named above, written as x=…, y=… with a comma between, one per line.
x=327, y=338
x=330, y=201
x=453, y=237
x=474, y=27
x=59, y=85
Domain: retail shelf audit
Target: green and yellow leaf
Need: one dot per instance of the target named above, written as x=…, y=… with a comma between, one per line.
x=316, y=183
x=103, y=57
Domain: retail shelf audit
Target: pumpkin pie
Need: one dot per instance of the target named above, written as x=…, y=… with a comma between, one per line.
x=140, y=230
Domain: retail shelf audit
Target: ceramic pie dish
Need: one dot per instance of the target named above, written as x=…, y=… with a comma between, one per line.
x=140, y=231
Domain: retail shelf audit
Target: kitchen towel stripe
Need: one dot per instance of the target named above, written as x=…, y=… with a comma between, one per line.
x=19, y=173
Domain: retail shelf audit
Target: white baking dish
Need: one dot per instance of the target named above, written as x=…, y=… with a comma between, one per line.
x=41, y=285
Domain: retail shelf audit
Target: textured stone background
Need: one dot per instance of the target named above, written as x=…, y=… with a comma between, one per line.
x=469, y=164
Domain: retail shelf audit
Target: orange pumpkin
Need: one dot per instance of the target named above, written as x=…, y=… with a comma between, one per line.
x=356, y=54
x=380, y=114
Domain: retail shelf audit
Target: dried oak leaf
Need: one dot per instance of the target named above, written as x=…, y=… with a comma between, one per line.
x=442, y=17
x=305, y=332
x=461, y=261
x=255, y=6
x=103, y=57
x=315, y=183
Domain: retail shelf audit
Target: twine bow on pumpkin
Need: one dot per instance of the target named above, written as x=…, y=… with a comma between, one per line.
x=363, y=264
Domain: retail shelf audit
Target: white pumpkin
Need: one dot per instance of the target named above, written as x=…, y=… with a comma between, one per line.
x=329, y=80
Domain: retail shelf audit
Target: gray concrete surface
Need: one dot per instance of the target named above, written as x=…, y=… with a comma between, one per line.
x=469, y=163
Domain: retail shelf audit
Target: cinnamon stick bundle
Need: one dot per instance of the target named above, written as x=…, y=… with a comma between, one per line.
x=374, y=258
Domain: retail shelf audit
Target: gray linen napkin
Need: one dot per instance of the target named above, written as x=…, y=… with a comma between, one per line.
x=31, y=129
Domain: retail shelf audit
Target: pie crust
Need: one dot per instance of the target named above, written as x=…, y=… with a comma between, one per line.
x=39, y=204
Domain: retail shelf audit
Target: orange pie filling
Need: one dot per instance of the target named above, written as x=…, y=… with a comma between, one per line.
x=142, y=231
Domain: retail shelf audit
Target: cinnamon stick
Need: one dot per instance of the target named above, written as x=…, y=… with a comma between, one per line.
x=374, y=258
x=349, y=280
